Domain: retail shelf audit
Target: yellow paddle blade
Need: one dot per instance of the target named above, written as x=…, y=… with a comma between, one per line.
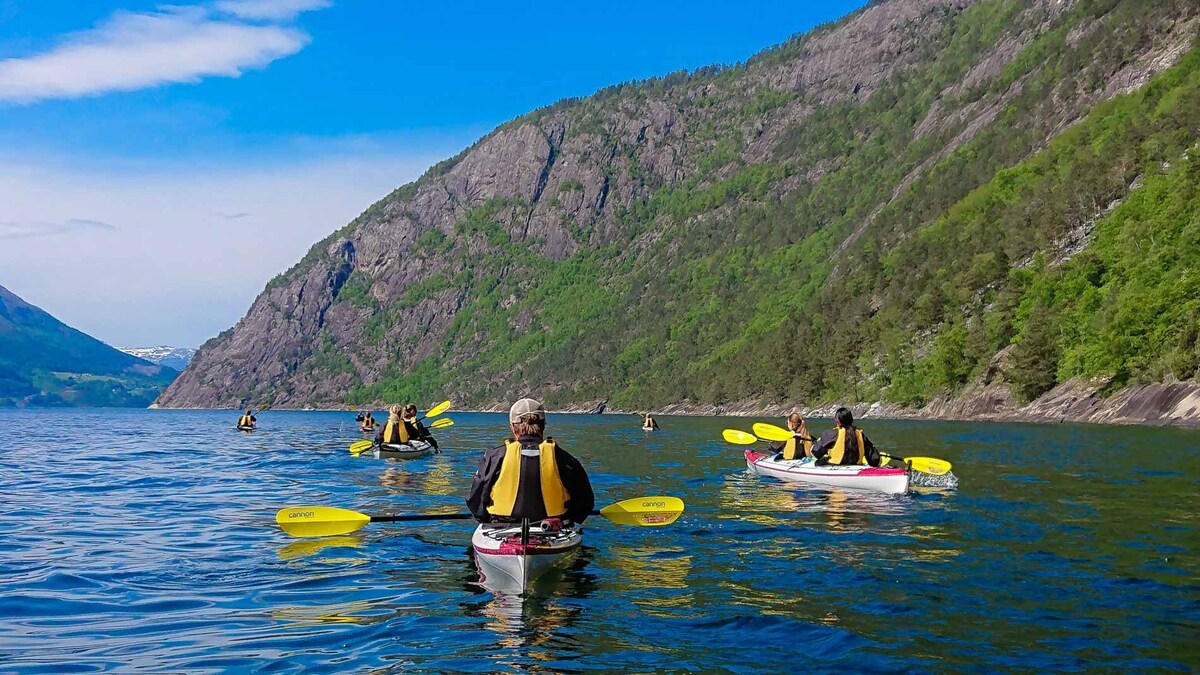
x=359, y=447
x=770, y=432
x=930, y=465
x=438, y=409
x=738, y=437
x=644, y=511
x=320, y=521
x=442, y=423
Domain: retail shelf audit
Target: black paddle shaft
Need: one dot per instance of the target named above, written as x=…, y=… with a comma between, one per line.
x=421, y=516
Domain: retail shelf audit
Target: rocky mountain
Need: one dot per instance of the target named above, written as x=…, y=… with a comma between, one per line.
x=46, y=362
x=175, y=358
x=924, y=198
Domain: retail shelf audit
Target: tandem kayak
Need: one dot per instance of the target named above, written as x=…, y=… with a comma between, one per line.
x=853, y=477
x=409, y=450
x=504, y=562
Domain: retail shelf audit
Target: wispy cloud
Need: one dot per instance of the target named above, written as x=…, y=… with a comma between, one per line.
x=236, y=216
x=274, y=10
x=136, y=50
x=25, y=230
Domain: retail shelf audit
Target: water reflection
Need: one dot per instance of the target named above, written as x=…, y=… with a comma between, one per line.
x=303, y=548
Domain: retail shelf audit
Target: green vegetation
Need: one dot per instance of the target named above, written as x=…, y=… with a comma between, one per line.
x=861, y=259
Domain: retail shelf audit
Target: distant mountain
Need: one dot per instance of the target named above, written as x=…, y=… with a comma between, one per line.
x=175, y=358
x=44, y=362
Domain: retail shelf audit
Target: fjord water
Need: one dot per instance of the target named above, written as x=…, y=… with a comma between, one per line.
x=145, y=540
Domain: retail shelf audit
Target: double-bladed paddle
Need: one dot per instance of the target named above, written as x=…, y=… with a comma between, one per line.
x=325, y=521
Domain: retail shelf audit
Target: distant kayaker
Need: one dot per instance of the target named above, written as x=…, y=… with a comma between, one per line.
x=359, y=418
x=529, y=475
x=800, y=444
x=368, y=423
x=247, y=421
x=416, y=429
x=648, y=422
x=845, y=443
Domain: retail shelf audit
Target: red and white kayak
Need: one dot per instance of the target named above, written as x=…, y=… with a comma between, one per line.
x=852, y=477
x=505, y=563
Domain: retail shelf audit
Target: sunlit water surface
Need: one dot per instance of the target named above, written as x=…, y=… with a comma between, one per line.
x=145, y=540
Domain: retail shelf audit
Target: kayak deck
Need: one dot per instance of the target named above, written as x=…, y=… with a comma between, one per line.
x=503, y=561
x=410, y=450
x=851, y=477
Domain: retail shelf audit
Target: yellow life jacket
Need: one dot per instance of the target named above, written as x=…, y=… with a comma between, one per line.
x=792, y=444
x=838, y=451
x=395, y=432
x=245, y=421
x=504, y=492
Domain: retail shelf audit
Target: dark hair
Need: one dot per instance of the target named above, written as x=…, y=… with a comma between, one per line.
x=844, y=417
x=410, y=410
x=529, y=425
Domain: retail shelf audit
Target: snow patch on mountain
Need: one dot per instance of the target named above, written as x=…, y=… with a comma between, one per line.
x=175, y=358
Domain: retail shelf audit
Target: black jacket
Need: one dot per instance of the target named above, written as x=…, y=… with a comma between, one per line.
x=821, y=448
x=529, y=491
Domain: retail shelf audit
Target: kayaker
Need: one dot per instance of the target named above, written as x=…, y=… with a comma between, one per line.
x=801, y=443
x=529, y=475
x=247, y=421
x=416, y=429
x=368, y=423
x=648, y=422
x=359, y=418
x=845, y=443
x=395, y=431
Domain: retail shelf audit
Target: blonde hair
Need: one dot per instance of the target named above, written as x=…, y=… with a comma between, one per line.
x=796, y=423
x=394, y=413
x=529, y=425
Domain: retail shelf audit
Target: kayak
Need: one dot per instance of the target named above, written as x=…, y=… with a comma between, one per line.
x=409, y=450
x=852, y=477
x=241, y=428
x=502, y=559
x=647, y=428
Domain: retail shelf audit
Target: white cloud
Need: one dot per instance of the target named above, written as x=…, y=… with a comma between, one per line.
x=179, y=269
x=275, y=10
x=132, y=51
x=26, y=230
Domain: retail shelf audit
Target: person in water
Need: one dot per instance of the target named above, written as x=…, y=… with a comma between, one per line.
x=359, y=418
x=368, y=423
x=800, y=444
x=648, y=422
x=416, y=429
x=845, y=443
x=247, y=421
x=529, y=476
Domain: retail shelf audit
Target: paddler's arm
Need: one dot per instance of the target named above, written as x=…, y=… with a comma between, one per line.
x=871, y=453
x=823, y=444
x=575, y=479
x=479, y=498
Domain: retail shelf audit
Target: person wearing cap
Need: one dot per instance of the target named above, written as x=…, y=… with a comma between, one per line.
x=529, y=476
x=416, y=429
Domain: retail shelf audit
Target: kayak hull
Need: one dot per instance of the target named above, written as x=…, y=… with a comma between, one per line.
x=856, y=477
x=504, y=563
x=647, y=428
x=409, y=450
x=245, y=428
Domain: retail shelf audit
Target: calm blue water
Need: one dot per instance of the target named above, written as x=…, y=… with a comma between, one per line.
x=145, y=540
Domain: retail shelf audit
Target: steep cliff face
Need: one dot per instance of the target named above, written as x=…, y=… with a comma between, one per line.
x=746, y=232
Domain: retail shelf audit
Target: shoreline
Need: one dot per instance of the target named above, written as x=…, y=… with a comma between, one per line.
x=1075, y=402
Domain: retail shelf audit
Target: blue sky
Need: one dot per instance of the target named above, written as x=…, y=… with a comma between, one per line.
x=182, y=155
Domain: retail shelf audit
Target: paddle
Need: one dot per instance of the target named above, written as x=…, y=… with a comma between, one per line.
x=325, y=521
x=442, y=423
x=930, y=465
x=739, y=437
x=359, y=447
x=437, y=410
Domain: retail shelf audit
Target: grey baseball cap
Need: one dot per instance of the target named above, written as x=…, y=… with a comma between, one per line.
x=526, y=406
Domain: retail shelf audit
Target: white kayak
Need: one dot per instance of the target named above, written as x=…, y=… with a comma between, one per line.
x=852, y=477
x=409, y=450
x=504, y=562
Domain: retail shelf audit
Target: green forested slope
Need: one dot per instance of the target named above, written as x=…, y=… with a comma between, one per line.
x=973, y=215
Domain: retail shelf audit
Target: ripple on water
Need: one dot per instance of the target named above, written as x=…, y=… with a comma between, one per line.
x=150, y=545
